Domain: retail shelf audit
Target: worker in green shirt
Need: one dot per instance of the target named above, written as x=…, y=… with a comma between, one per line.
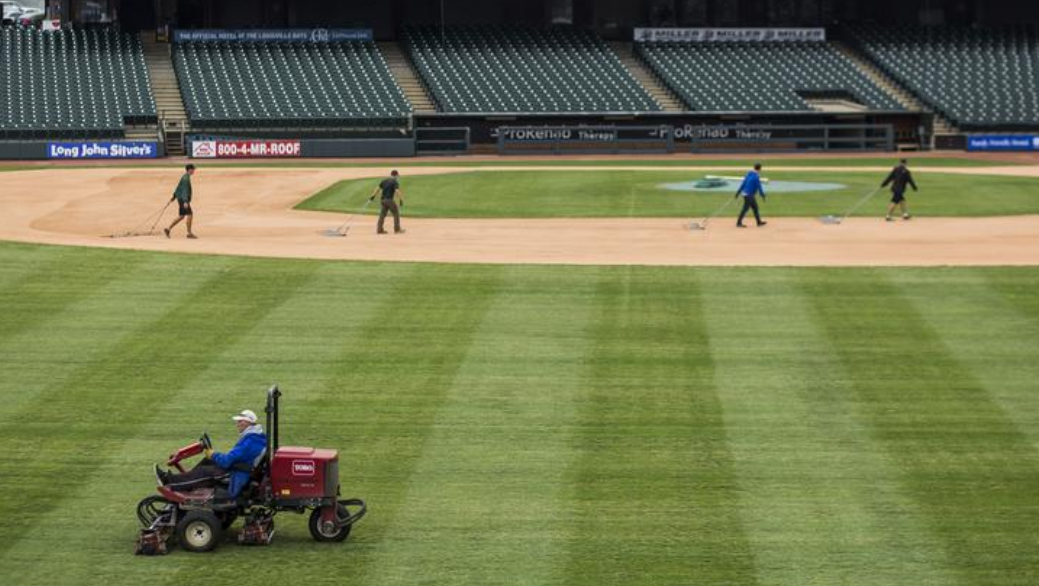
x=183, y=196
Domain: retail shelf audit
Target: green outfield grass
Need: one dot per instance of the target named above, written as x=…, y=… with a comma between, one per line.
x=533, y=425
x=550, y=194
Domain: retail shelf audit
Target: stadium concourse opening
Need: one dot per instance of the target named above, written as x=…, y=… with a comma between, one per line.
x=311, y=78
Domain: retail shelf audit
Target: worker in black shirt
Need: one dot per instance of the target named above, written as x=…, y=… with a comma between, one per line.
x=390, y=188
x=899, y=178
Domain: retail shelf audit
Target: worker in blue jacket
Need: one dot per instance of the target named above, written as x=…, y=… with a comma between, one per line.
x=238, y=463
x=749, y=190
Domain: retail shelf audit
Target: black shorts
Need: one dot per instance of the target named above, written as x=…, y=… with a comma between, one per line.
x=898, y=196
x=185, y=208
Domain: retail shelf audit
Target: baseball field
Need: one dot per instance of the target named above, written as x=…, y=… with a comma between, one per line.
x=548, y=379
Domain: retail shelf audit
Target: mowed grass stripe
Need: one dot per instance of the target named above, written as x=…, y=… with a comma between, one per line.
x=988, y=327
x=56, y=281
x=19, y=260
x=297, y=344
x=820, y=501
x=398, y=379
x=118, y=298
x=962, y=458
x=60, y=434
x=486, y=501
x=654, y=492
x=1018, y=289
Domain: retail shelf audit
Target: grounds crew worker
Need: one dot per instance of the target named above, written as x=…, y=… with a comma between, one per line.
x=749, y=189
x=183, y=196
x=390, y=187
x=239, y=462
x=899, y=178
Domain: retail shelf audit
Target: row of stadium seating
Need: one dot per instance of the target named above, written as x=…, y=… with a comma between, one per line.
x=514, y=69
x=977, y=77
x=91, y=83
x=287, y=84
x=759, y=77
x=83, y=84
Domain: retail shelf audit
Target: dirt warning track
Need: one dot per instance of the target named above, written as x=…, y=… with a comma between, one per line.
x=249, y=212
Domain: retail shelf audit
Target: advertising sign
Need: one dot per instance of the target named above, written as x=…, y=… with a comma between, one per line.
x=245, y=149
x=985, y=142
x=728, y=35
x=317, y=35
x=102, y=150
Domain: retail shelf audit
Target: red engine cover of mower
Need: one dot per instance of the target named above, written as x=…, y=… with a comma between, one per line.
x=304, y=473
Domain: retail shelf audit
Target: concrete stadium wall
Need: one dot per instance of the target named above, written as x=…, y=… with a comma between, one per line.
x=375, y=147
x=23, y=151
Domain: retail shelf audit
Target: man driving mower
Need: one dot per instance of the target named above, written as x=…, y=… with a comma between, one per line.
x=247, y=452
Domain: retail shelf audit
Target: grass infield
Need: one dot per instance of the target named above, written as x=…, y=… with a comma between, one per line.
x=550, y=194
x=533, y=425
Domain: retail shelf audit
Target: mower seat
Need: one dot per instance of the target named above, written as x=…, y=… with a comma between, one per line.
x=256, y=479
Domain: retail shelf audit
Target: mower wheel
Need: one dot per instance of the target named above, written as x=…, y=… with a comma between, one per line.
x=199, y=531
x=328, y=534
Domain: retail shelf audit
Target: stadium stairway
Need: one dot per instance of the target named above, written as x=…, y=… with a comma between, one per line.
x=407, y=78
x=942, y=125
x=652, y=84
x=173, y=119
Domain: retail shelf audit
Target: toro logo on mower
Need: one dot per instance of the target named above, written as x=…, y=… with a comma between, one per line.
x=303, y=467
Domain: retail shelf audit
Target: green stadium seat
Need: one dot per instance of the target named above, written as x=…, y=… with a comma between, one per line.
x=517, y=69
x=300, y=85
x=72, y=84
x=979, y=77
x=759, y=77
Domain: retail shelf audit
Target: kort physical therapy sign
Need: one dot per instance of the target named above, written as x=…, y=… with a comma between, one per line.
x=102, y=150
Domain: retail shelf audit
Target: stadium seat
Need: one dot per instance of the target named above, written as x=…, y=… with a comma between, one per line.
x=759, y=77
x=72, y=84
x=975, y=77
x=274, y=84
x=517, y=69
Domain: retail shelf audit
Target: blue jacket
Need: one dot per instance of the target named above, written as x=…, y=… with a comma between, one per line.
x=251, y=445
x=751, y=185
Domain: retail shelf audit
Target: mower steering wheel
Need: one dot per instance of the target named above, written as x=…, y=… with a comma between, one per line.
x=206, y=442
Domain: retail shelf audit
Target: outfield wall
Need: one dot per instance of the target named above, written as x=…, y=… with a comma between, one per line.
x=288, y=148
x=691, y=128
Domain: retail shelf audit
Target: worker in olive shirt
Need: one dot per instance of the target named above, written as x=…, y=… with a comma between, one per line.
x=390, y=187
x=899, y=178
x=183, y=196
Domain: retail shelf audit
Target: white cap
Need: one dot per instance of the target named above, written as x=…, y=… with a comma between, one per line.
x=246, y=415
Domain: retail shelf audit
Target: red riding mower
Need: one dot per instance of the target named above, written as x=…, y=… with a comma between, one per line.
x=287, y=479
